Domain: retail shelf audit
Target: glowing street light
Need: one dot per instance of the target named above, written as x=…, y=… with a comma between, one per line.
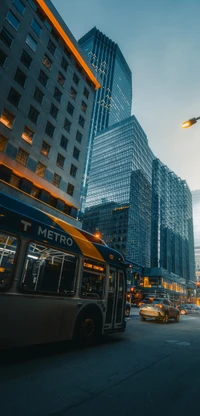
x=189, y=122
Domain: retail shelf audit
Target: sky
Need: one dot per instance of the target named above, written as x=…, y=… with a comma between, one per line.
x=160, y=40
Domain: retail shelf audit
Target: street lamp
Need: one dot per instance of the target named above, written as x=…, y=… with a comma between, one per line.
x=190, y=122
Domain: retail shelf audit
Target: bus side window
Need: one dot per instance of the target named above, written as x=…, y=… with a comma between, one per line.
x=8, y=248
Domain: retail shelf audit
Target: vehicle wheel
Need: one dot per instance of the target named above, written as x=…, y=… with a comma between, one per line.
x=142, y=318
x=86, y=331
x=166, y=318
x=177, y=317
x=182, y=312
x=127, y=312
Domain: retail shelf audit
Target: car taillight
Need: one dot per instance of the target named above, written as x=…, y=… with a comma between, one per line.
x=159, y=306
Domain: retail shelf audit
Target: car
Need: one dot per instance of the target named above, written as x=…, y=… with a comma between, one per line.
x=127, y=309
x=161, y=309
x=188, y=308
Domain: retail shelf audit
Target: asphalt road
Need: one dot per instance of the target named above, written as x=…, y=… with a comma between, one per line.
x=153, y=369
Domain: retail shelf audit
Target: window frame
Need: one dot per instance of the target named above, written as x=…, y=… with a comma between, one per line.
x=18, y=243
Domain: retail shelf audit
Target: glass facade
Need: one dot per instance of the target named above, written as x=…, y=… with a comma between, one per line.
x=196, y=220
x=113, y=100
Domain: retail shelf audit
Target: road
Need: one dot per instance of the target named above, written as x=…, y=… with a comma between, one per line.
x=153, y=369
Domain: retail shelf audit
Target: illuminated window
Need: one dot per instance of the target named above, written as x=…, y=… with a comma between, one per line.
x=47, y=62
x=26, y=59
x=28, y=134
x=70, y=189
x=7, y=118
x=19, y=6
x=33, y=114
x=64, y=63
x=11, y=18
x=70, y=108
x=35, y=192
x=86, y=93
x=79, y=136
x=6, y=37
x=22, y=157
x=38, y=95
x=51, y=47
x=81, y=121
x=64, y=142
x=36, y=27
x=49, y=129
x=76, y=79
x=3, y=57
x=31, y=43
x=3, y=142
x=40, y=169
x=45, y=149
x=67, y=125
x=43, y=78
x=20, y=77
x=60, y=160
x=73, y=93
x=84, y=106
x=15, y=180
x=76, y=153
x=57, y=94
x=61, y=79
x=54, y=111
x=56, y=180
x=73, y=171
x=14, y=97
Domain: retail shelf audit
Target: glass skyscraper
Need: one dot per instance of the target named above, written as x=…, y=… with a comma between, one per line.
x=113, y=100
x=196, y=220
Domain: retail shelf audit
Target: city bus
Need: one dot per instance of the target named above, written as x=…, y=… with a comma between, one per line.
x=57, y=282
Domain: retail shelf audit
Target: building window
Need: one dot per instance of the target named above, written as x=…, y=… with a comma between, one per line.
x=15, y=180
x=56, y=180
x=40, y=169
x=73, y=93
x=76, y=79
x=60, y=160
x=3, y=57
x=57, y=94
x=81, y=121
x=26, y=59
x=61, y=79
x=3, y=142
x=67, y=125
x=11, y=18
x=64, y=63
x=49, y=129
x=84, y=106
x=73, y=171
x=54, y=111
x=14, y=97
x=45, y=149
x=70, y=189
x=38, y=95
x=70, y=108
x=31, y=43
x=79, y=136
x=36, y=27
x=43, y=78
x=7, y=118
x=22, y=157
x=28, y=134
x=6, y=37
x=35, y=191
x=64, y=142
x=67, y=52
x=51, y=47
x=86, y=93
x=20, y=77
x=33, y=5
x=33, y=114
x=76, y=153
x=19, y=6
x=47, y=62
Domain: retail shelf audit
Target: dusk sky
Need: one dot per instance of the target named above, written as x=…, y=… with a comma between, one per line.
x=160, y=40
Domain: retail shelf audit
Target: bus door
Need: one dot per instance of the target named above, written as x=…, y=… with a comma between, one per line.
x=115, y=300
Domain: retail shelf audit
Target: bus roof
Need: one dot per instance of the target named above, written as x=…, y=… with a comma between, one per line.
x=20, y=218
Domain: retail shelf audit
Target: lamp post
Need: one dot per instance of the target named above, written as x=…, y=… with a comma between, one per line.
x=190, y=122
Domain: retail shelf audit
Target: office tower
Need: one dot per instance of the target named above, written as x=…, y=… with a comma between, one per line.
x=196, y=221
x=119, y=192
x=47, y=92
x=113, y=100
x=172, y=245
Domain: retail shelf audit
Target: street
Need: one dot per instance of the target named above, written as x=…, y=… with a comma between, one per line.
x=151, y=369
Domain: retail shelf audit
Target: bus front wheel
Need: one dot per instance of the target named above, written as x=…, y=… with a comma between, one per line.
x=87, y=330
